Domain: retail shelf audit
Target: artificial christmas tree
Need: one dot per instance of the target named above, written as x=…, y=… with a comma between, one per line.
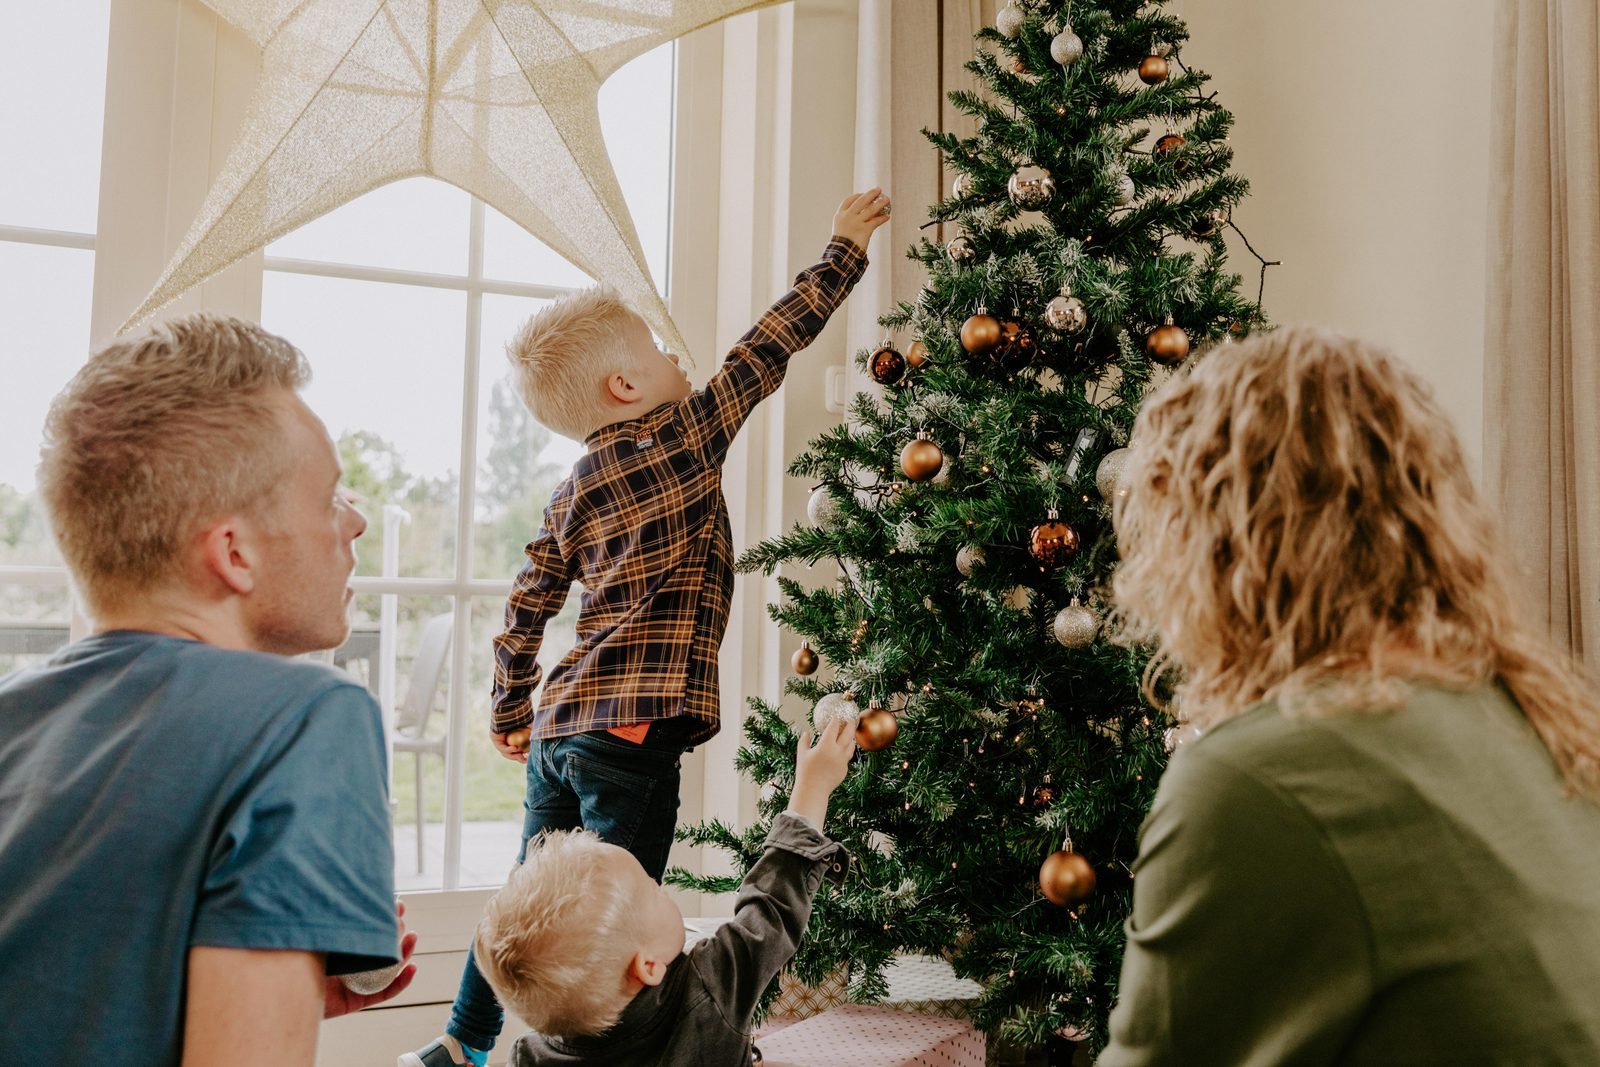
x=968, y=510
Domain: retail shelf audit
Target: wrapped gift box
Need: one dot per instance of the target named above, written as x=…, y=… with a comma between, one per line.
x=926, y=984
x=873, y=1035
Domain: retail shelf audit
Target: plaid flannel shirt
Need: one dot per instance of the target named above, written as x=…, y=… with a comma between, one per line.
x=642, y=523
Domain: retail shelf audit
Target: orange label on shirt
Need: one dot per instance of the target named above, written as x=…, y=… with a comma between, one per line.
x=634, y=732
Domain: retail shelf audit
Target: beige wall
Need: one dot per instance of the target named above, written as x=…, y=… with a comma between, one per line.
x=1363, y=127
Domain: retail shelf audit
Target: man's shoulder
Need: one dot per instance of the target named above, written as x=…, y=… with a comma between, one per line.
x=175, y=682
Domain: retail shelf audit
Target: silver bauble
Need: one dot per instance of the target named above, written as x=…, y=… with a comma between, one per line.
x=1126, y=190
x=1031, y=187
x=1108, y=476
x=964, y=185
x=834, y=706
x=960, y=250
x=1075, y=625
x=1010, y=19
x=1066, y=47
x=1066, y=313
x=969, y=559
x=367, y=983
x=822, y=509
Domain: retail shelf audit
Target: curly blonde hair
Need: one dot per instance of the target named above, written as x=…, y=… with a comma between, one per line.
x=1299, y=525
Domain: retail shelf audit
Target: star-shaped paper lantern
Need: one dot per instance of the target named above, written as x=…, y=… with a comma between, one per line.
x=498, y=97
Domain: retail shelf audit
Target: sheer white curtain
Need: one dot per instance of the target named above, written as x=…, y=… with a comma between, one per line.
x=909, y=56
x=1542, y=364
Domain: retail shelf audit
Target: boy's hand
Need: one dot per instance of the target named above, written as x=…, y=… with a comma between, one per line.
x=819, y=769
x=513, y=745
x=860, y=215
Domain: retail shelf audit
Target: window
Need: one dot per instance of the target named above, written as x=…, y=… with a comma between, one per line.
x=53, y=74
x=403, y=301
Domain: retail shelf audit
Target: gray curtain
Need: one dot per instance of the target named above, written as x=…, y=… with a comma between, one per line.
x=1542, y=361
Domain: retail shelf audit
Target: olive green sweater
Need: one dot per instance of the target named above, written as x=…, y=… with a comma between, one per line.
x=1398, y=888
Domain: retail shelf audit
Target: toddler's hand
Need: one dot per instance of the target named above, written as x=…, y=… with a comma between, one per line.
x=513, y=745
x=819, y=769
x=860, y=215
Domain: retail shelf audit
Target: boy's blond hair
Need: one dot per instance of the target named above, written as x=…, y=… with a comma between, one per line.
x=563, y=355
x=556, y=941
x=156, y=435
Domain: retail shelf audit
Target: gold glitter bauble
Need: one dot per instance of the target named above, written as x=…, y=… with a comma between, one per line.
x=1075, y=626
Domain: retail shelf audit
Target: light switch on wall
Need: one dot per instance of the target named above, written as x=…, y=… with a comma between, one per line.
x=833, y=390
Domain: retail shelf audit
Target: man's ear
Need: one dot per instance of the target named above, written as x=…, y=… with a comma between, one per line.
x=620, y=389
x=646, y=971
x=228, y=554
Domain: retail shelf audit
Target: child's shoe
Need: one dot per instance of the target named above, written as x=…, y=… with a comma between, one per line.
x=446, y=1051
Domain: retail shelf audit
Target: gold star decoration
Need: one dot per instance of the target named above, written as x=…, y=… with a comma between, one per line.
x=498, y=97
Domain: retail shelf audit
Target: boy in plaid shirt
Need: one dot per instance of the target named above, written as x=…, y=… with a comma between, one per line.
x=642, y=523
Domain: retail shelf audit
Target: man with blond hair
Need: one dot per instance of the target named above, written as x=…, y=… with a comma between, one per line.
x=193, y=830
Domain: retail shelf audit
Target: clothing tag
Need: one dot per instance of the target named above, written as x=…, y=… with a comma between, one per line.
x=644, y=439
x=634, y=733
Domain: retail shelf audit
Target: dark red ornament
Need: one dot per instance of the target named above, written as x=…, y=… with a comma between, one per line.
x=886, y=365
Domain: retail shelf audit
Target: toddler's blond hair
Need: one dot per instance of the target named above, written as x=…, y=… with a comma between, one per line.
x=563, y=355
x=556, y=941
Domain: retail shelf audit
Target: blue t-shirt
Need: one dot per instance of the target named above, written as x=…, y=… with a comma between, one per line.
x=157, y=794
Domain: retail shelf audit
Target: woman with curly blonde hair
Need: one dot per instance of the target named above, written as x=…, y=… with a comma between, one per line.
x=1379, y=840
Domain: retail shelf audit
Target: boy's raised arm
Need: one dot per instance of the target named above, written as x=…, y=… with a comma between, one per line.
x=755, y=367
x=539, y=591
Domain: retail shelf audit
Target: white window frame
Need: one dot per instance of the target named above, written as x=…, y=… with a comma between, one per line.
x=764, y=148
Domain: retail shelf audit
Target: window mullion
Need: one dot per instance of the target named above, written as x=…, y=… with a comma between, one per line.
x=455, y=750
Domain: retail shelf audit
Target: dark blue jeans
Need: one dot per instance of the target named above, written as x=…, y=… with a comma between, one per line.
x=625, y=793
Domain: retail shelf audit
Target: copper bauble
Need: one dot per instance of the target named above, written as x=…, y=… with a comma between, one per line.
x=980, y=333
x=1169, y=143
x=1016, y=349
x=921, y=459
x=1167, y=344
x=1066, y=878
x=1053, y=543
x=805, y=661
x=520, y=739
x=886, y=365
x=1154, y=69
x=1210, y=224
x=876, y=729
x=917, y=355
